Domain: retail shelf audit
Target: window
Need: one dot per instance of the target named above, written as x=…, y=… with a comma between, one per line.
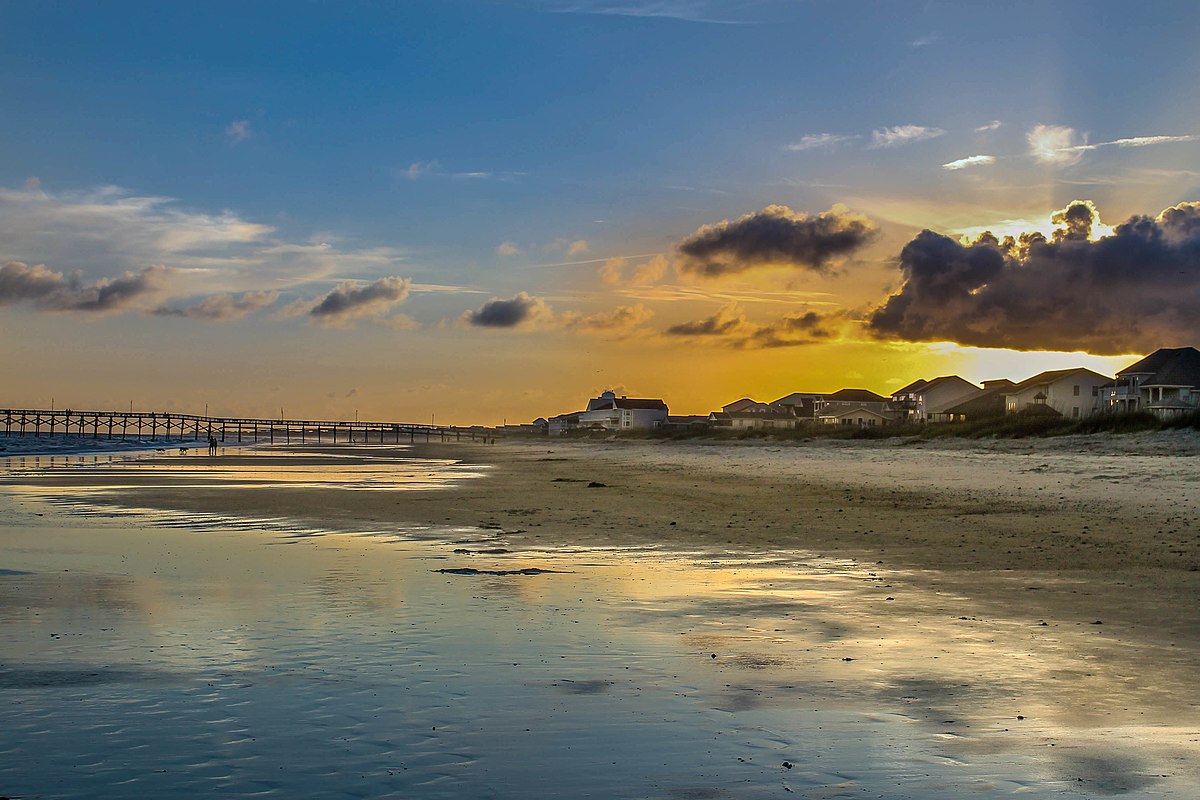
x=1096, y=391
x=1076, y=392
x=1075, y=412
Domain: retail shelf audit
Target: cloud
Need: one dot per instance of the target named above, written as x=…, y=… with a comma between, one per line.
x=903, y=134
x=522, y=310
x=731, y=327
x=1131, y=291
x=651, y=271
x=507, y=249
x=238, y=131
x=815, y=141
x=700, y=11
x=1146, y=141
x=970, y=161
x=612, y=271
x=107, y=231
x=774, y=236
x=222, y=307
x=926, y=40
x=1054, y=144
x=1061, y=145
x=578, y=247
x=418, y=168
x=991, y=126
x=622, y=320
x=351, y=300
x=48, y=290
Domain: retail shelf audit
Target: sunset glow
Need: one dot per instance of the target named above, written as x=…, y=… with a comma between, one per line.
x=491, y=211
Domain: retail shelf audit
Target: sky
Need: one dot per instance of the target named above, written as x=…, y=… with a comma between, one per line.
x=489, y=211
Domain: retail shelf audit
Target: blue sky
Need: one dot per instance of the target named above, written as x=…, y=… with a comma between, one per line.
x=484, y=149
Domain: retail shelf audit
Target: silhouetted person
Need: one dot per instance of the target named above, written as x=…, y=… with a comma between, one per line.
x=212, y=445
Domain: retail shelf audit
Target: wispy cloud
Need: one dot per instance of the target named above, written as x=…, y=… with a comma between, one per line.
x=969, y=161
x=1063, y=146
x=926, y=40
x=730, y=327
x=700, y=11
x=238, y=131
x=991, y=126
x=507, y=249
x=814, y=141
x=433, y=169
x=620, y=322
x=577, y=247
x=107, y=231
x=221, y=307
x=903, y=134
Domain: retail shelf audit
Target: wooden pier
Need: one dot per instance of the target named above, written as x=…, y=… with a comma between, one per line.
x=191, y=427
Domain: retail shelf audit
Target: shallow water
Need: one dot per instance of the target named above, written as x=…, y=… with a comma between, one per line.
x=168, y=655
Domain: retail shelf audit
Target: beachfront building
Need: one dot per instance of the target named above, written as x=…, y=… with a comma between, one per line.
x=832, y=409
x=927, y=401
x=1166, y=383
x=766, y=418
x=986, y=403
x=861, y=417
x=623, y=413
x=1072, y=393
x=802, y=404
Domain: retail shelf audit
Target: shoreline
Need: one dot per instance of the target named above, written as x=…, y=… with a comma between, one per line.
x=798, y=591
x=1085, y=530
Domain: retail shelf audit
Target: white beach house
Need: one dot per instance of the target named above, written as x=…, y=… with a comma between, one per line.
x=1073, y=393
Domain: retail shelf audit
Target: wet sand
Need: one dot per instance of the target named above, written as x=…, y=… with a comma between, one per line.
x=935, y=622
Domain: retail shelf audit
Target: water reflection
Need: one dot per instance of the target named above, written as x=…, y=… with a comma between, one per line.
x=157, y=662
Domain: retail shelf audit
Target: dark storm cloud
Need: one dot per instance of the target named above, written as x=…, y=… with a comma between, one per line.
x=774, y=236
x=512, y=313
x=53, y=291
x=350, y=300
x=1129, y=292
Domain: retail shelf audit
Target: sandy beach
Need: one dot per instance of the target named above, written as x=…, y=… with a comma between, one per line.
x=1001, y=617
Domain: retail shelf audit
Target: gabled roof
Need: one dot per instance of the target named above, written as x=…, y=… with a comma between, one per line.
x=1050, y=377
x=797, y=398
x=998, y=383
x=855, y=396
x=915, y=386
x=738, y=405
x=1169, y=366
x=945, y=379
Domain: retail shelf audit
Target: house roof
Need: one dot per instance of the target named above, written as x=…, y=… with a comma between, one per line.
x=855, y=396
x=639, y=403
x=1168, y=366
x=945, y=379
x=738, y=405
x=915, y=386
x=1050, y=376
x=773, y=414
x=998, y=383
x=797, y=398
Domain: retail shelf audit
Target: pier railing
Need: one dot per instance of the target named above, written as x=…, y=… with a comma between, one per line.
x=191, y=427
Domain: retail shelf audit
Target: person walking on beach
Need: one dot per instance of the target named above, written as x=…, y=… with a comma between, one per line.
x=212, y=445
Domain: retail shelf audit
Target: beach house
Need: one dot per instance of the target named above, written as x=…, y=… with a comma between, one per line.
x=1166, y=383
x=927, y=401
x=1072, y=393
x=623, y=413
x=860, y=407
